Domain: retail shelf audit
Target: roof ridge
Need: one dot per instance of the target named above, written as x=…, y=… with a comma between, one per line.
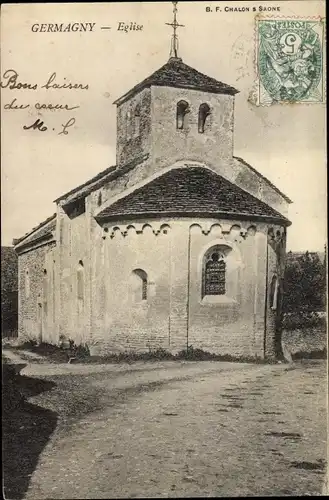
x=114, y=172
x=39, y=226
x=186, y=196
x=169, y=75
x=263, y=177
x=95, y=178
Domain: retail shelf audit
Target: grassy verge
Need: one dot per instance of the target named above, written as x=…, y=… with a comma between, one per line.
x=80, y=354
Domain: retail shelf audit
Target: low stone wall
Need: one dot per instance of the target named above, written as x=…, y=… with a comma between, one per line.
x=305, y=340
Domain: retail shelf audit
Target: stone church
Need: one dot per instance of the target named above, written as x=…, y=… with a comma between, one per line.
x=179, y=244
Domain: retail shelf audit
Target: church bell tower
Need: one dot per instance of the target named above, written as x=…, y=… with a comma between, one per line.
x=177, y=113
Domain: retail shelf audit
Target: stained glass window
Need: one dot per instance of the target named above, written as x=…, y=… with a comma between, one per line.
x=214, y=280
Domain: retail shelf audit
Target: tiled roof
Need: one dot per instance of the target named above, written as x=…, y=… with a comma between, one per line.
x=43, y=229
x=241, y=160
x=191, y=191
x=88, y=183
x=175, y=73
x=109, y=174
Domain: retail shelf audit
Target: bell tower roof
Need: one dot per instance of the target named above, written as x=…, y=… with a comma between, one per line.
x=175, y=73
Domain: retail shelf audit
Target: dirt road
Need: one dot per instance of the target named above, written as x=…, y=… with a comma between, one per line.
x=184, y=429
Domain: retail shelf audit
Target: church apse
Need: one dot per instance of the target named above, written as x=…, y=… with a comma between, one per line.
x=225, y=284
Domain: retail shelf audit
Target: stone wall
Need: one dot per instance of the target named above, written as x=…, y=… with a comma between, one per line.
x=305, y=340
x=175, y=314
x=97, y=296
x=120, y=317
x=37, y=314
x=213, y=146
x=134, y=127
x=74, y=274
x=276, y=249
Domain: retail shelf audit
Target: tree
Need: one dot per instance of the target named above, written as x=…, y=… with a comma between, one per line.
x=305, y=284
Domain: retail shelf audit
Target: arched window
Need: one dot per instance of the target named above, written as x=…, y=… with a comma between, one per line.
x=214, y=273
x=137, y=121
x=99, y=200
x=274, y=293
x=128, y=124
x=45, y=291
x=204, y=112
x=181, y=112
x=80, y=286
x=70, y=238
x=27, y=283
x=140, y=285
x=53, y=286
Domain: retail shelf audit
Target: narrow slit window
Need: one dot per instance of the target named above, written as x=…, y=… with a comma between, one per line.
x=99, y=201
x=204, y=112
x=144, y=289
x=27, y=284
x=45, y=291
x=137, y=122
x=80, y=285
x=274, y=293
x=128, y=124
x=181, y=112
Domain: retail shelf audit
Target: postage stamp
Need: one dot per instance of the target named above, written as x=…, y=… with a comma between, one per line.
x=290, y=60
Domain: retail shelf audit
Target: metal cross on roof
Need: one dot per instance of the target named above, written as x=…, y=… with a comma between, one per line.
x=174, y=38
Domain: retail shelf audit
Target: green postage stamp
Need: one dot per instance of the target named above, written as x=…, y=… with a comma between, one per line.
x=290, y=60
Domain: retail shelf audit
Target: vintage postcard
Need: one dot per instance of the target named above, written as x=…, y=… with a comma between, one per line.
x=164, y=320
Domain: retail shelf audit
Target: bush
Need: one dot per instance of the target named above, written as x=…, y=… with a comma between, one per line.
x=304, y=319
x=27, y=345
x=305, y=285
x=194, y=354
x=159, y=354
x=191, y=354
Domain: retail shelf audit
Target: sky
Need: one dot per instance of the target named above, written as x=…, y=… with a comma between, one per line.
x=286, y=143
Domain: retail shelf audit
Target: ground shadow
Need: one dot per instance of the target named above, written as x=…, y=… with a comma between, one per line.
x=26, y=429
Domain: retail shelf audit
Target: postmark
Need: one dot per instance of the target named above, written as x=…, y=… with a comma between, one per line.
x=289, y=60
x=242, y=56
